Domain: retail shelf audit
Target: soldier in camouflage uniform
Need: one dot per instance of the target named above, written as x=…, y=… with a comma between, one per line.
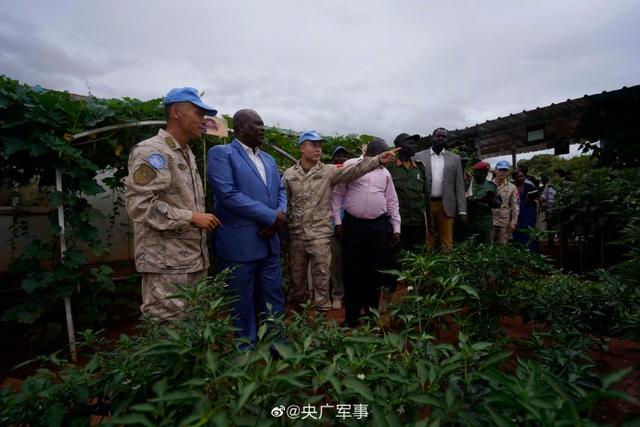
x=481, y=197
x=505, y=217
x=165, y=202
x=309, y=186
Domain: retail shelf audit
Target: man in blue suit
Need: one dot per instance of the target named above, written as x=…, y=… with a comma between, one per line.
x=251, y=203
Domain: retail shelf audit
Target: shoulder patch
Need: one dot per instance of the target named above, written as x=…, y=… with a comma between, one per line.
x=170, y=142
x=144, y=174
x=157, y=161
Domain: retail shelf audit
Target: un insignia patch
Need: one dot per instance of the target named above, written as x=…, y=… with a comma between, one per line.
x=157, y=161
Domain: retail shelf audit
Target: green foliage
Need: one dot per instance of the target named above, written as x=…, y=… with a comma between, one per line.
x=191, y=372
x=564, y=301
x=36, y=133
x=433, y=294
x=629, y=270
x=563, y=351
x=533, y=396
x=475, y=285
x=626, y=275
x=36, y=129
x=544, y=165
x=597, y=206
x=471, y=280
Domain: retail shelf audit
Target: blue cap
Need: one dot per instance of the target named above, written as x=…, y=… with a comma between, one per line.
x=309, y=135
x=503, y=164
x=187, y=94
x=338, y=148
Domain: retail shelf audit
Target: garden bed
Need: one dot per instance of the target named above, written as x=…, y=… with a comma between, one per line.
x=481, y=335
x=620, y=354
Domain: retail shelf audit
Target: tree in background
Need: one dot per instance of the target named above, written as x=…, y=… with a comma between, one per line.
x=611, y=130
x=545, y=164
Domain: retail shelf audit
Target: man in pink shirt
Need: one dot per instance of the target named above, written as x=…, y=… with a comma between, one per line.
x=309, y=185
x=371, y=211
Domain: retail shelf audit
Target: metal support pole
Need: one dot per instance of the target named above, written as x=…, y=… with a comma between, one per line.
x=476, y=144
x=67, y=300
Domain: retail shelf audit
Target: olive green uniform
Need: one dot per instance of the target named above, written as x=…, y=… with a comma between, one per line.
x=411, y=188
x=163, y=188
x=479, y=216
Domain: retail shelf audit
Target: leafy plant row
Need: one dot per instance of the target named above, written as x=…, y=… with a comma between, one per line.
x=191, y=372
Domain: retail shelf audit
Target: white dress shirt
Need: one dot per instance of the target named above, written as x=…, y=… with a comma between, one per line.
x=255, y=158
x=437, y=172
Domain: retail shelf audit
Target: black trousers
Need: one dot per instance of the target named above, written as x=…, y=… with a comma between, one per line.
x=412, y=236
x=364, y=248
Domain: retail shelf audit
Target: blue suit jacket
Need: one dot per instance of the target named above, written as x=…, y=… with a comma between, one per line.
x=243, y=203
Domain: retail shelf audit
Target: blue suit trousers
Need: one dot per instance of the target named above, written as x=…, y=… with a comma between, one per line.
x=262, y=277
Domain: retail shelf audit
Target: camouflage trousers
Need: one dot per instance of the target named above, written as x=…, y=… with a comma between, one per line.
x=500, y=234
x=314, y=254
x=158, y=287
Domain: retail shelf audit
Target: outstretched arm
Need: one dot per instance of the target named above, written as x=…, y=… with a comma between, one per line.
x=350, y=173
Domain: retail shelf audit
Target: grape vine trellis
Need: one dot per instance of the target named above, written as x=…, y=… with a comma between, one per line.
x=44, y=136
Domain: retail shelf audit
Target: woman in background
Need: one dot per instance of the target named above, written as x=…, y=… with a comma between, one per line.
x=527, y=216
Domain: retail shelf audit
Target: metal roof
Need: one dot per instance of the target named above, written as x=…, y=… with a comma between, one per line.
x=560, y=122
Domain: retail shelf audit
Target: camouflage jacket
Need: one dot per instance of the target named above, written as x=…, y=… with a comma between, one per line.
x=508, y=212
x=163, y=188
x=309, y=195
